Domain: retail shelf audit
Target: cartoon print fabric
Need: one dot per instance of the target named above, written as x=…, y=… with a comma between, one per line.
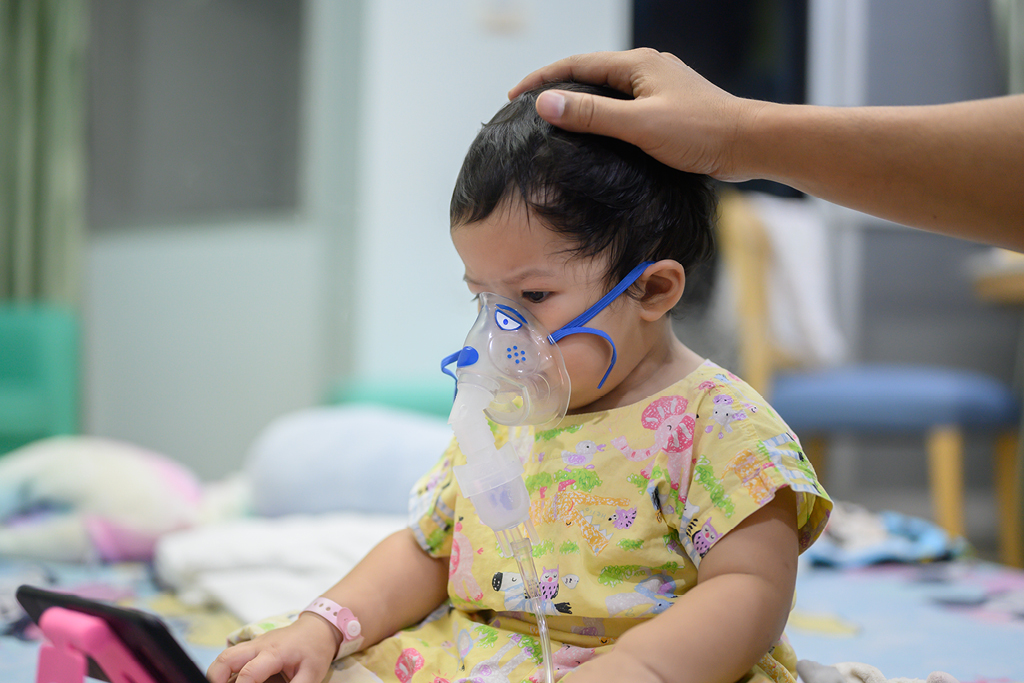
x=626, y=503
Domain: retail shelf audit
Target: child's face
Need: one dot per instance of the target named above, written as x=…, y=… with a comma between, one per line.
x=513, y=254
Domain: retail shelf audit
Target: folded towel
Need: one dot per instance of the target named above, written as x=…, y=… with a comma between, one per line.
x=801, y=297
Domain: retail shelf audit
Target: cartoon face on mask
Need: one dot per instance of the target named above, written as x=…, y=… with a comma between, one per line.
x=509, y=353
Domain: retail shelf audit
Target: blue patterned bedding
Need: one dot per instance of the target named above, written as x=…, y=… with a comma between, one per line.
x=962, y=617
x=200, y=630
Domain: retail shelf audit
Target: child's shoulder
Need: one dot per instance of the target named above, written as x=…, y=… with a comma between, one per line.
x=712, y=393
x=706, y=381
x=693, y=394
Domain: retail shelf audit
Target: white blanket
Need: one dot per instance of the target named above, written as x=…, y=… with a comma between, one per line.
x=258, y=567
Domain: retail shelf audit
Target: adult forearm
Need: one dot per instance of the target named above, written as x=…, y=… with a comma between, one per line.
x=394, y=586
x=957, y=169
x=954, y=168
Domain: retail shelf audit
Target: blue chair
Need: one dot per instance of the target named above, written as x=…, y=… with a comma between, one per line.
x=39, y=373
x=943, y=404
x=940, y=404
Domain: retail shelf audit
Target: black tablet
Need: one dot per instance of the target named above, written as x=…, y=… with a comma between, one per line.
x=144, y=634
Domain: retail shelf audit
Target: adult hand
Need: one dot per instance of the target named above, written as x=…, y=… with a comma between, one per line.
x=301, y=652
x=676, y=116
x=952, y=168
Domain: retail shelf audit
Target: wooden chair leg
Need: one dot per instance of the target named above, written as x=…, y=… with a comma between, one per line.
x=1008, y=500
x=816, y=450
x=945, y=476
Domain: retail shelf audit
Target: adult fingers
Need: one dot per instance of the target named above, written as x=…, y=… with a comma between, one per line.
x=586, y=113
x=615, y=69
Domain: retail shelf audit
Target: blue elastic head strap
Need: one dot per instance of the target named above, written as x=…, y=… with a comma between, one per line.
x=576, y=325
x=468, y=355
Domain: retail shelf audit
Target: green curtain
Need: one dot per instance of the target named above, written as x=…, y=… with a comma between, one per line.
x=42, y=149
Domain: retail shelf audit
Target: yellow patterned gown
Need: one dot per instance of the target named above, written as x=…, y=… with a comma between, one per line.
x=626, y=502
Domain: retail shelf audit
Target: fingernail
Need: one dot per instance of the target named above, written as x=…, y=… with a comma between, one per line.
x=551, y=105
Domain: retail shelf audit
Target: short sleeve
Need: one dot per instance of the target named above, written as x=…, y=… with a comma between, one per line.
x=432, y=505
x=742, y=454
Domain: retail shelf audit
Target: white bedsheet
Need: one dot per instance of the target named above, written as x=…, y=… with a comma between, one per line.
x=257, y=567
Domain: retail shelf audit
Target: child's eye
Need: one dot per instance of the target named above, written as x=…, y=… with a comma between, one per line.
x=535, y=297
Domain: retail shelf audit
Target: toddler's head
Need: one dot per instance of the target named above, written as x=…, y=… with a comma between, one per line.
x=602, y=195
x=553, y=220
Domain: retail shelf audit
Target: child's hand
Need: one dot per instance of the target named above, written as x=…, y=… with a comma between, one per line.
x=614, y=667
x=301, y=651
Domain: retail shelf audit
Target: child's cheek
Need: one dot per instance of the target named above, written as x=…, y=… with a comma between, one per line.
x=586, y=359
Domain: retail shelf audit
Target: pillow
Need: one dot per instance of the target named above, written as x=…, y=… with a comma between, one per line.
x=75, y=498
x=343, y=458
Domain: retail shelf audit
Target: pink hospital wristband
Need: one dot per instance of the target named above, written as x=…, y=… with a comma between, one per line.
x=339, y=617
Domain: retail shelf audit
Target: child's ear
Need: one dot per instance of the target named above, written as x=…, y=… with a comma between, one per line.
x=663, y=284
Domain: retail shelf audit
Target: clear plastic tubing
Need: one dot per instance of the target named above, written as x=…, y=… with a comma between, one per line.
x=522, y=549
x=493, y=480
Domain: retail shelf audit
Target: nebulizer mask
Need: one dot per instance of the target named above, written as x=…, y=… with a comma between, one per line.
x=511, y=370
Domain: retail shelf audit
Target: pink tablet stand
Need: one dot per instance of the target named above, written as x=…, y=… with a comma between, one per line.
x=72, y=637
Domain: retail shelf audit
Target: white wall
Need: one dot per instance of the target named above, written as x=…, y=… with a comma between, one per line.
x=433, y=73
x=199, y=334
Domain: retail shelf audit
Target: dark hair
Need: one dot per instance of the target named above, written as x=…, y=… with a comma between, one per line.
x=602, y=194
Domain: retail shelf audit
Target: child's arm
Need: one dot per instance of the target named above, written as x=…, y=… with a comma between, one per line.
x=724, y=625
x=394, y=586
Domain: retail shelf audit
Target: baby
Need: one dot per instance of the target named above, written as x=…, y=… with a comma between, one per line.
x=670, y=503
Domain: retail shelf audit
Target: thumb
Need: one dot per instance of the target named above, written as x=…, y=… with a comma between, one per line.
x=586, y=113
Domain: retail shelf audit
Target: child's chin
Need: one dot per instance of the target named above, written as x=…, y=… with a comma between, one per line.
x=581, y=402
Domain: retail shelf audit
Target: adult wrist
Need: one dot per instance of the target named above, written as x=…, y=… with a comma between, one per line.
x=753, y=148
x=788, y=143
